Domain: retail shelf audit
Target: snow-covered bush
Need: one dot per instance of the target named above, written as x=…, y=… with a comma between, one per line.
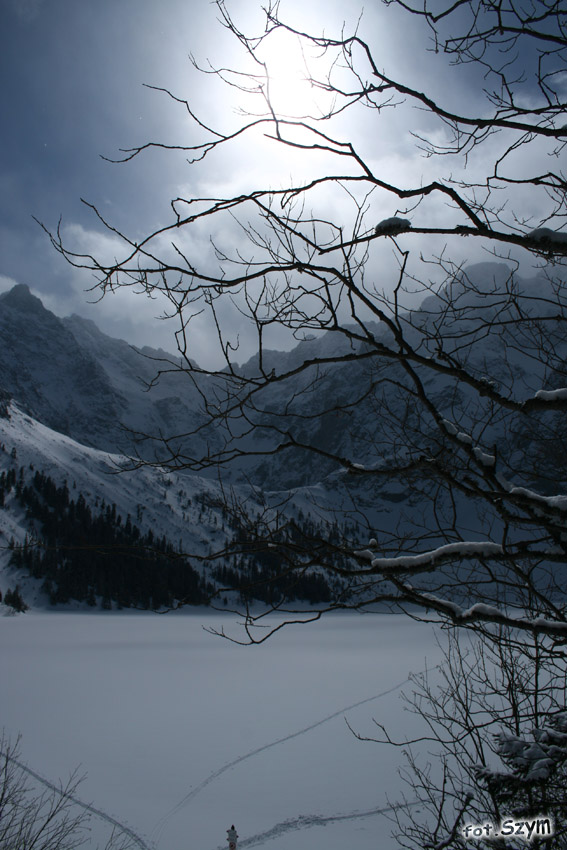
x=496, y=732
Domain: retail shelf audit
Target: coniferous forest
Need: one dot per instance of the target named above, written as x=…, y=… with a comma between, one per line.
x=83, y=553
x=93, y=555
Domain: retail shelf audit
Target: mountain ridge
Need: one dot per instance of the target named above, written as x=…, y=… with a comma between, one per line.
x=353, y=424
x=78, y=380
x=83, y=383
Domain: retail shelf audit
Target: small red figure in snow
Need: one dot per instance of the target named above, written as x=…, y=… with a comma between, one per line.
x=231, y=838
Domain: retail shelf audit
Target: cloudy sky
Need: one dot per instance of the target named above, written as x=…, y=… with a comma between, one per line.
x=73, y=74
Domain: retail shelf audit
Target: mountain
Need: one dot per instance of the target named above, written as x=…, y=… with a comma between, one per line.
x=76, y=380
x=73, y=378
x=80, y=382
x=71, y=398
x=44, y=367
x=365, y=409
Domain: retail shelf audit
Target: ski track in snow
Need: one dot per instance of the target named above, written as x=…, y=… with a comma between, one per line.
x=100, y=814
x=308, y=820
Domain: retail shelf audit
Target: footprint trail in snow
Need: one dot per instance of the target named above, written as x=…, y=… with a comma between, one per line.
x=307, y=821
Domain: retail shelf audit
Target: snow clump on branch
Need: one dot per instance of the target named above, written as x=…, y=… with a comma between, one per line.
x=392, y=225
x=530, y=761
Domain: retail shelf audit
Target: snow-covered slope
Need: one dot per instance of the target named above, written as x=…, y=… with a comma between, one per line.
x=176, y=506
x=168, y=404
x=184, y=508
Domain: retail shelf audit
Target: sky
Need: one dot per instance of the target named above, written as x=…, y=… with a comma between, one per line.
x=73, y=93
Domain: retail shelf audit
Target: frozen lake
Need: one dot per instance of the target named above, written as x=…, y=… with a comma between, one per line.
x=180, y=733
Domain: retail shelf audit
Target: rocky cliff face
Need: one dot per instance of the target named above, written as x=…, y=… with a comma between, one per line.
x=82, y=383
x=51, y=375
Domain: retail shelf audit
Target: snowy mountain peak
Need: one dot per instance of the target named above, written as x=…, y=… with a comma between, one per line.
x=77, y=380
x=21, y=298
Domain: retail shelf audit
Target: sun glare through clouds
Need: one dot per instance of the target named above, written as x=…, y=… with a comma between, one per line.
x=292, y=70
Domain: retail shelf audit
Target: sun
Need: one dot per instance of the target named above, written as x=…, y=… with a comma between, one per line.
x=291, y=72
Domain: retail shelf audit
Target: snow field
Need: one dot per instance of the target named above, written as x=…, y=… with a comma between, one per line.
x=182, y=733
